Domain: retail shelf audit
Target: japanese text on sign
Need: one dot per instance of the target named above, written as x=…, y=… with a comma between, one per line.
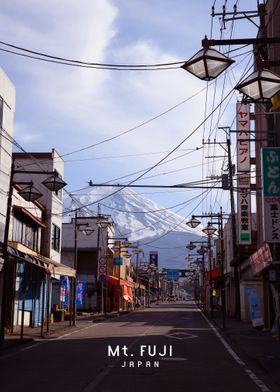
x=243, y=135
x=244, y=209
x=271, y=193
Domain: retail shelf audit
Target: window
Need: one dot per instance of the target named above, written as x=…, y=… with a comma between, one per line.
x=25, y=234
x=55, y=237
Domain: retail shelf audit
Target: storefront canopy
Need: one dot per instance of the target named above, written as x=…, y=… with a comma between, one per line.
x=125, y=285
x=40, y=261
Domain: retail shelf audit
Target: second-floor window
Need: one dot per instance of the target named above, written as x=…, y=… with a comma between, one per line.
x=55, y=237
x=25, y=234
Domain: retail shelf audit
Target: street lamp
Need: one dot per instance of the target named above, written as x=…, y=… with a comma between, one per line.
x=209, y=229
x=30, y=193
x=193, y=223
x=191, y=246
x=208, y=64
x=261, y=85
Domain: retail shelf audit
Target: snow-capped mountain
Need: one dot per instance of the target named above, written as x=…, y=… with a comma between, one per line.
x=141, y=220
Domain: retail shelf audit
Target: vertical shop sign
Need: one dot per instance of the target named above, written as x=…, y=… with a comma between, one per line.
x=244, y=209
x=243, y=176
x=243, y=136
x=154, y=258
x=271, y=193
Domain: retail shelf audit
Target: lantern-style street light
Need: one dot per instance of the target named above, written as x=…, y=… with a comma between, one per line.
x=209, y=229
x=208, y=64
x=193, y=223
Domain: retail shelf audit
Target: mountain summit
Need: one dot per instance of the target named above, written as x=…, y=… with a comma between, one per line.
x=140, y=219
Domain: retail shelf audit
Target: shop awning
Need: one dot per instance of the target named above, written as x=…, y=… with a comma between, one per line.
x=215, y=273
x=40, y=261
x=127, y=294
x=115, y=280
x=125, y=285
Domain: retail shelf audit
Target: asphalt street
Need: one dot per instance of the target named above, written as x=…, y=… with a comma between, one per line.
x=170, y=347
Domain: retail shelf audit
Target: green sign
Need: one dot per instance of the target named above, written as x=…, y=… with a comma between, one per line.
x=271, y=171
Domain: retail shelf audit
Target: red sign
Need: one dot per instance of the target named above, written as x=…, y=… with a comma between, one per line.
x=261, y=259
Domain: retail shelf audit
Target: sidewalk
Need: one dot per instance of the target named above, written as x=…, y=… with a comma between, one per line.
x=259, y=346
x=55, y=329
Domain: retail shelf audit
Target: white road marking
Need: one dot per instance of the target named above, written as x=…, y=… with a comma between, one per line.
x=250, y=373
x=181, y=335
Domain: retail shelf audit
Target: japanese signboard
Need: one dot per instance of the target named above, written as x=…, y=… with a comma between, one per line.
x=271, y=193
x=261, y=259
x=243, y=136
x=154, y=258
x=244, y=209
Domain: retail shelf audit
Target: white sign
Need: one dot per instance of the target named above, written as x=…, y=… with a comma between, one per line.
x=244, y=209
x=243, y=136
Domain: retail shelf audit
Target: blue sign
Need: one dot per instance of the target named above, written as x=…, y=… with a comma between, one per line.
x=64, y=291
x=255, y=305
x=173, y=274
x=118, y=261
x=80, y=289
x=102, y=278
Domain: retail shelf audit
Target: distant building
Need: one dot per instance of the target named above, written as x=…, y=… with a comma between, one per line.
x=92, y=243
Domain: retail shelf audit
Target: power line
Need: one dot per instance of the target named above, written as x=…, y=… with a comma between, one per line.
x=75, y=62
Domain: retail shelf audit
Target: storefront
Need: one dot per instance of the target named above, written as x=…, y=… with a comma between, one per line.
x=29, y=291
x=126, y=295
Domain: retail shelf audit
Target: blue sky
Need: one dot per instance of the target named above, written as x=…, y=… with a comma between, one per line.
x=68, y=108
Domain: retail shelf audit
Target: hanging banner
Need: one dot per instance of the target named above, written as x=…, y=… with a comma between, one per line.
x=243, y=136
x=244, y=209
x=271, y=193
x=80, y=289
x=64, y=290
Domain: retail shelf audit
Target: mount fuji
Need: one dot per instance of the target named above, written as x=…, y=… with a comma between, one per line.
x=153, y=227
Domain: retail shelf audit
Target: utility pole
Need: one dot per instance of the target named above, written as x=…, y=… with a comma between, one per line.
x=226, y=146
